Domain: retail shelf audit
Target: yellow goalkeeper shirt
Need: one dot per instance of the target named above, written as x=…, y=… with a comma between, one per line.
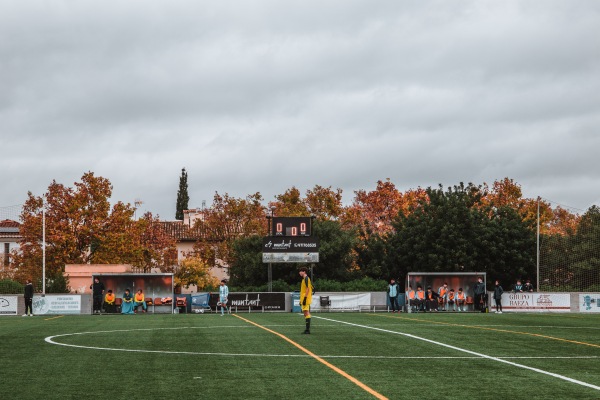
x=306, y=283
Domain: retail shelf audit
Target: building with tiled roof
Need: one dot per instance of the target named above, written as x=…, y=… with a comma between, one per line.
x=186, y=234
x=10, y=237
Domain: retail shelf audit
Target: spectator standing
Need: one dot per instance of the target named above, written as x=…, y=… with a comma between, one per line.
x=97, y=295
x=518, y=287
x=479, y=292
x=528, y=287
x=223, y=295
x=393, y=292
x=498, y=297
x=28, y=298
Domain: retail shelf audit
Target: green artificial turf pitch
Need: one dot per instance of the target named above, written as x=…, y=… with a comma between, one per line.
x=357, y=356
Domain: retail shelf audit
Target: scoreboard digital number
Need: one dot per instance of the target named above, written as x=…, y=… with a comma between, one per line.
x=291, y=226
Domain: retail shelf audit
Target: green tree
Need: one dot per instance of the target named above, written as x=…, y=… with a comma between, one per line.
x=335, y=258
x=451, y=232
x=586, y=252
x=183, y=197
x=194, y=271
x=246, y=267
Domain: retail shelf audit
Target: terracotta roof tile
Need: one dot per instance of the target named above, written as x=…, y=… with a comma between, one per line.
x=9, y=229
x=182, y=232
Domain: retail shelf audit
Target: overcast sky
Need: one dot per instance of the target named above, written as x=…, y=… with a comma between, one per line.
x=260, y=96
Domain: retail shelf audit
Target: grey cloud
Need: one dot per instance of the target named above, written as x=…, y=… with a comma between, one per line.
x=267, y=95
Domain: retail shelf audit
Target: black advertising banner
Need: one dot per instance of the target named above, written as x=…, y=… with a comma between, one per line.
x=297, y=244
x=254, y=301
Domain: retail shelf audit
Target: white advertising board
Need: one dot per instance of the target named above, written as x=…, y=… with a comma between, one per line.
x=536, y=302
x=57, y=304
x=589, y=302
x=8, y=305
x=349, y=301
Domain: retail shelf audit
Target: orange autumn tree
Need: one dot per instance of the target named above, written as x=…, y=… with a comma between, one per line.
x=227, y=219
x=323, y=203
x=153, y=247
x=374, y=211
x=81, y=228
x=508, y=193
x=289, y=204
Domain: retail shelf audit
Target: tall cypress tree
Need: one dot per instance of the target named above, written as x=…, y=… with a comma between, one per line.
x=182, y=195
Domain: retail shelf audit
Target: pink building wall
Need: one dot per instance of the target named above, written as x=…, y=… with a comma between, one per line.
x=80, y=275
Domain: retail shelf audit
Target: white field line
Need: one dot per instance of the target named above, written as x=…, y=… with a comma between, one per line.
x=540, y=371
x=51, y=340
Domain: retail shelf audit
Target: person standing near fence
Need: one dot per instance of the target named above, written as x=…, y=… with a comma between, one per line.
x=393, y=292
x=518, y=287
x=528, y=287
x=223, y=295
x=97, y=294
x=479, y=291
x=498, y=297
x=28, y=298
x=306, y=289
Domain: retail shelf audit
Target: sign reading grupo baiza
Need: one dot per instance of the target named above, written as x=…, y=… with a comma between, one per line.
x=297, y=249
x=253, y=301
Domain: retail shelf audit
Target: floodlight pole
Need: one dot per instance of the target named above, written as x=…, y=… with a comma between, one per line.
x=538, y=245
x=43, y=246
x=270, y=271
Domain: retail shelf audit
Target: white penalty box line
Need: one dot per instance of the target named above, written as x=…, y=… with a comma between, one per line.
x=474, y=353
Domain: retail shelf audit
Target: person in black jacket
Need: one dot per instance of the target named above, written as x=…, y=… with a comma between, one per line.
x=393, y=291
x=431, y=300
x=97, y=294
x=498, y=297
x=479, y=292
x=28, y=298
x=528, y=287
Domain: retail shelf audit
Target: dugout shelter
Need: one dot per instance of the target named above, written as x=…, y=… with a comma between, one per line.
x=455, y=280
x=154, y=286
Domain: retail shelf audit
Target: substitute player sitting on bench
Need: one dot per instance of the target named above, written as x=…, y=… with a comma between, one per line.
x=451, y=300
x=109, y=302
x=139, y=300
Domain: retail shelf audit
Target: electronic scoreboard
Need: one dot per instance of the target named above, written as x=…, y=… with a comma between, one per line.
x=291, y=226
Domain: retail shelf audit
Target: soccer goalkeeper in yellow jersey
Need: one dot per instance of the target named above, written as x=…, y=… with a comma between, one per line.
x=306, y=289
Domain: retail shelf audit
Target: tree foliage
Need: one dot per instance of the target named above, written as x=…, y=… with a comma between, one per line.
x=83, y=228
x=194, y=271
x=228, y=219
x=383, y=233
x=183, y=197
x=451, y=233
